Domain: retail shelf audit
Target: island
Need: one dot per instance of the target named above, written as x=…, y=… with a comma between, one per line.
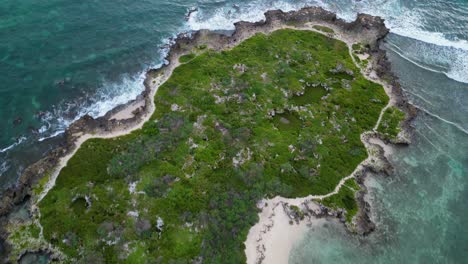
x=282, y=114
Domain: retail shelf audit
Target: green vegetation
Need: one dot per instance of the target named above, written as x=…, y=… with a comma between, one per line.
x=279, y=114
x=24, y=235
x=187, y=57
x=41, y=184
x=364, y=63
x=202, y=47
x=356, y=57
x=323, y=29
x=28, y=230
x=358, y=47
x=389, y=126
x=297, y=211
x=344, y=199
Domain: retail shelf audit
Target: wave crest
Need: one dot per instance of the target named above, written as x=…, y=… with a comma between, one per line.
x=409, y=21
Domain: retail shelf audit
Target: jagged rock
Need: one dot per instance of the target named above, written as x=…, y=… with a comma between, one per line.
x=18, y=120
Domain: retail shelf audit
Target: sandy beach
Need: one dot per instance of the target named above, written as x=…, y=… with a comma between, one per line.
x=271, y=240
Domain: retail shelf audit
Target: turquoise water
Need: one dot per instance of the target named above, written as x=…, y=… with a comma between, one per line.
x=62, y=59
x=420, y=210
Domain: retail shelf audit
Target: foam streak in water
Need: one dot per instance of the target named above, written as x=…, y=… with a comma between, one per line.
x=3, y=167
x=458, y=126
x=19, y=141
x=56, y=133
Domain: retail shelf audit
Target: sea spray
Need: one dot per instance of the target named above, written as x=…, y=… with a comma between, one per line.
x=428, y=46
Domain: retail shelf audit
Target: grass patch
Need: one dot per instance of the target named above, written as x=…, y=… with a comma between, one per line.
x=364, y=63
x=288, y=121
x=187, y=57
x=323, y=29
x=358, y=47
x=356, y=57
x=389, y=126
x=310, y=95
x=39, y=187
x=79, y=206
x=24, y=236
x=344, y=199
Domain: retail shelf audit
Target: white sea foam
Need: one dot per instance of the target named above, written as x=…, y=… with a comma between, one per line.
x=400, y=20
x=109, y=96
x=18, y=141
x=4, y=166
x=403, y=21
x=223, y=18
x=56, y=133
x=106, y=98
x=433, y=48
x=449, y=61
x=430, y=47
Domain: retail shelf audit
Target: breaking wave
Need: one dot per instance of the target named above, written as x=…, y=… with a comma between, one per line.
x=109, y=96
x=417, y=40
x=428, y=46
x=18, y=141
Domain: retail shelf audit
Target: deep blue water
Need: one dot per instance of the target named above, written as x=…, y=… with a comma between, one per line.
x=62, y=59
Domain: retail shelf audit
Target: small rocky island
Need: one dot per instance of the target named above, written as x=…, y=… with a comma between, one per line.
x=284, y=108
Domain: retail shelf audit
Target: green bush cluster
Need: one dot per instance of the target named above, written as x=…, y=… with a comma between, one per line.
x=344, y=199
x=389, y=126
x=187, y=57
x=357, y=47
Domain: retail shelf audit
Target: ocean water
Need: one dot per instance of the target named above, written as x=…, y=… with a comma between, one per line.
x=420, y=210
x=62, y=59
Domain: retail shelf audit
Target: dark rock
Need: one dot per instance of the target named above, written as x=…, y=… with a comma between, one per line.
x=190, y=11
x=142, y=225
x=18, y=120
x=33, y=130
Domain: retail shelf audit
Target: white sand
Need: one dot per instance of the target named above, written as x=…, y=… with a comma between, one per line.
x=388, y=149
x=128, y=111
x=272, y=238
x=265, y=246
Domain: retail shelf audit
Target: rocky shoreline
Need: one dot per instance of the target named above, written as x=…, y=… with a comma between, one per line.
x=366, y=28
